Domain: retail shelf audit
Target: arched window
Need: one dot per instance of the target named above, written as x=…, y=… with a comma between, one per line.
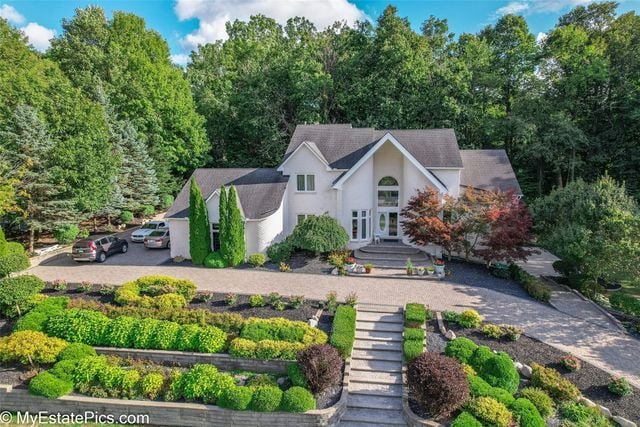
x=388, y=181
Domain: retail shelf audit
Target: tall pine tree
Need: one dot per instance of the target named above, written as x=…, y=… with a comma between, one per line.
x=235, y=236
x=199, y=236
x=223, y=223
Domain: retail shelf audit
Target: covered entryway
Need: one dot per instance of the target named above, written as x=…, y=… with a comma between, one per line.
x=388, y=209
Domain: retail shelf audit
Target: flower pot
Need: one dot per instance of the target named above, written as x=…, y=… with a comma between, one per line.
x=430, y=272
x=350, y=267
x=367, y=270
x=439, y=269
x=409, y=272
x=420, y=272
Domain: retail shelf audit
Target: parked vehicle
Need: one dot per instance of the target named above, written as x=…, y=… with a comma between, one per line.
x=146, y=229
x=158, y=239
x=98, y=248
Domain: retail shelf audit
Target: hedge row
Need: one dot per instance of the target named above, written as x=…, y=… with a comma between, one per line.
x=265, y=349
x=94, y=328
x=415, y=316
x=343, y=333
x=280, y=329
x=535, y=286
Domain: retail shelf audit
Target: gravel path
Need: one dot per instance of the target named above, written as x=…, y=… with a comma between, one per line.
x=610, y=350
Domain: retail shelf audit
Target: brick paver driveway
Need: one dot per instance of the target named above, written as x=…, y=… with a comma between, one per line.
x=605, y=348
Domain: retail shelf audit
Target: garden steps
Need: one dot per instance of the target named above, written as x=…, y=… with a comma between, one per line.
x=384, y=248
x=375, y=383
x=391, y=255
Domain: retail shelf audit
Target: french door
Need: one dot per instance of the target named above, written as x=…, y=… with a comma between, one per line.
x=388, y=224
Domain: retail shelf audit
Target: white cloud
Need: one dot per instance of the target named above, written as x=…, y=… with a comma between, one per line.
x=532, y=7
x=38, y=36
x=11, y=14
x=541, y=37
x=213, y=14
x=180, y=59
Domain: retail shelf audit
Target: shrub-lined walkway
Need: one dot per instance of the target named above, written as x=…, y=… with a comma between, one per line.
x=607, y=349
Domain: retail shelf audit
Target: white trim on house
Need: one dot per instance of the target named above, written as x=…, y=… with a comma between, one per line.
x=390, y=138
x=315, y=152
x=217, y=191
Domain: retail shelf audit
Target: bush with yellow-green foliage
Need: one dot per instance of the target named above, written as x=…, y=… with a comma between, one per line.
x=156, y=291
x=30, y=348
x=280, y=329
x=553, y=383
x=489, y=411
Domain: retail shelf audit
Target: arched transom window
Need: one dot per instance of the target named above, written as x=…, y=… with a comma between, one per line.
x=388, y=181
x=388, y=191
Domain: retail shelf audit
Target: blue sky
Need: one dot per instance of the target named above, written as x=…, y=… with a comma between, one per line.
x=186, y=23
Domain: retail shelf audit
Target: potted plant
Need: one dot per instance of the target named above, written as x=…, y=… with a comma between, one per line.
x=431, y=270
x=350, y=263
x=438, y=265
x=421, y=271
x=368, y=268
x=409, y=266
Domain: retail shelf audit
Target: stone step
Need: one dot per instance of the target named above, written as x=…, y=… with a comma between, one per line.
x=376, y=377
x=384, y=336
x=374, y=402
x=396, y=265
x=376, y=365
x=390, y=248
x=379, y=308
x=362, y=325
x=391, y=256
x=374, y=416
x=379, y=317
x=363, y=344
x=385, y=356
x=360, y=424
x=388, y=390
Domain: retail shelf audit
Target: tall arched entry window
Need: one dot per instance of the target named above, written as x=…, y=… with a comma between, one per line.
x=388, y=207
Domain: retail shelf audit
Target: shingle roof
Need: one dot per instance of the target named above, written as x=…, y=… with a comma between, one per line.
x=260, y=190
x=343, y=145
x=488, y=170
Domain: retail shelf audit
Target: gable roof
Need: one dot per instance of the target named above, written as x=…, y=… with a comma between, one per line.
x=260, y=190
x=488, y=170
x=342, y=145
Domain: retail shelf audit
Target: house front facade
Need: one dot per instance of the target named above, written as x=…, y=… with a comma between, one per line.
x=362, y=177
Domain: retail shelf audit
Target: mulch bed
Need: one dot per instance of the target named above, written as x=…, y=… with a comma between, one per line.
x=591, y=381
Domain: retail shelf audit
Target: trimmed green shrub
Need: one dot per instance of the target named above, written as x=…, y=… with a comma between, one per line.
x=138, y=291
x=12, y=263
x=199, y=233
x=187, y=339
x=461, y=348
x=257, y=260
x=480, y=356
x=625, y=303
x=280, y=329
x=553, y=383
x=30, y=347
x=479, y=387
x=620, y=386
x=147, y=210
x=583, y=416
x=465, y=419
x=297, y=399
x=76, y=351
x=126, y=217
x=166, y=200
x=527, y=413
x=438, y=383
x=204, y=382
x=236, y=398
x=321, y=366
x=261, y=380
x=343, y=333
x=211, y=340
x=66, y=234
x=319, y=234
x=120, y=332
x=48, y=385
x=489, y=411
x=87, y=369
x=64, y=369
x=499, y=371
x=469, y=319
x=266, y=399
x=416, y=334
x=280, y=252
x=492, y=331
x=76, y=325
x=169, y=301
x=17, y=293
x=215, y=260
x=236, y=249
x=412, y=349
x=241, y=347
x=415, y=315
x=151, y=385
x=143, y=333
x=296, y=375
x=540, y=399
x=37, y=318
x=257, y=301
x=165, y=335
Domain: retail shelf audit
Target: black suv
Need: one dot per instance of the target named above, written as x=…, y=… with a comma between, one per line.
x=98, y=248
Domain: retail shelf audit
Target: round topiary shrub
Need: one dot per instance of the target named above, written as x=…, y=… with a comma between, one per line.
x=550, y=380
x=297, y=399
x=16, y=294
x=280, y=252
x=147, y=210
x=215, y=260
x=76, y=351
x=499, y=371
x=126, y=217
x=48, y=385
x=542, y=401
x=296, y=376
x=64, y=369
x=480, y=387
x=66, y=234
x=438, y=383
x=151, y=385
x=30, y=347
x=266, y=399
x=12, y=263
x=527, y=413
x=490, y=412
x=461, y=348
x=469, y=319
x=321, y=366
x=319, y=234
x=480, y=356
x=166, y=200
x=210, y=340
x=465, y=419
x=236, y=398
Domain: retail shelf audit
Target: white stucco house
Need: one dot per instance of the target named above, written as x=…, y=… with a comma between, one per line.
x=363, y=177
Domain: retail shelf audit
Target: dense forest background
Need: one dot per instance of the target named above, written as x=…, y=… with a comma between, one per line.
x=103, y=121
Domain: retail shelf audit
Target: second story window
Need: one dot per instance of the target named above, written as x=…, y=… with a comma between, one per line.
x=306, y=183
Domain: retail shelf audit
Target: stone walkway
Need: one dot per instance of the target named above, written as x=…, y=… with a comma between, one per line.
x=610, y=350
x=375, y=383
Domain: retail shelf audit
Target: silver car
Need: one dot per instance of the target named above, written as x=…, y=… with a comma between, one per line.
x=146, y=229
x=158, y=239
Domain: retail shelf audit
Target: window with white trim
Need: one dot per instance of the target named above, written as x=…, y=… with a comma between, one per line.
x=301, y=217
x=305, y=182
x=361, y=224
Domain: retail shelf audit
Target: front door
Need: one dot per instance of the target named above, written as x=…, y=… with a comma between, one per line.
x=388, y=224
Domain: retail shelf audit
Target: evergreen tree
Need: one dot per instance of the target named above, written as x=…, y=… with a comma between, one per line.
x=199, y=236
x=28, y=146
x=223, y=223
x=235, y=234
